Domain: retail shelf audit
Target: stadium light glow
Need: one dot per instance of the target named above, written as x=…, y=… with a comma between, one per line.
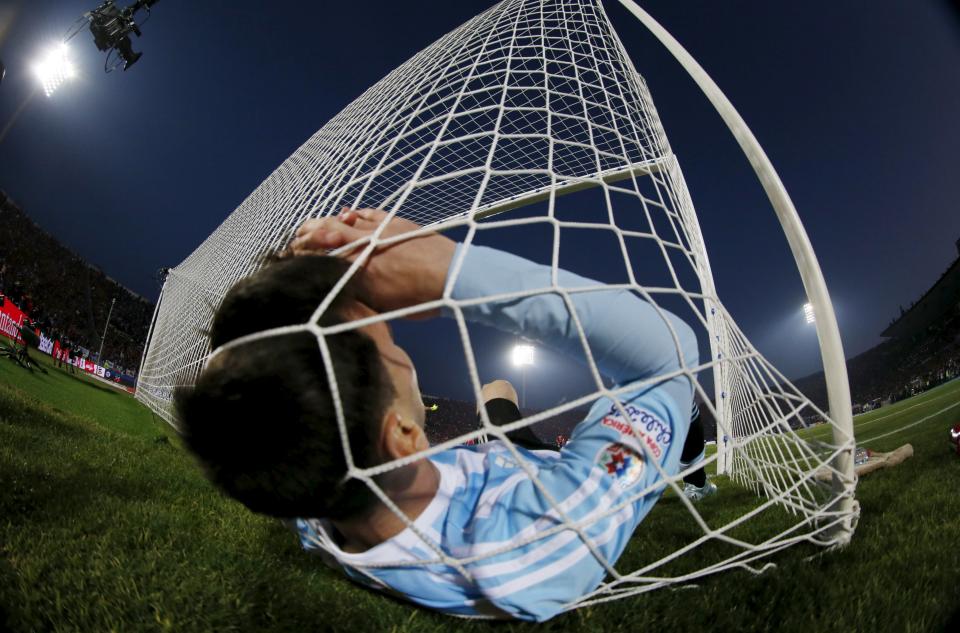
x=808, y=312
x=522, y=355
x=54, y=68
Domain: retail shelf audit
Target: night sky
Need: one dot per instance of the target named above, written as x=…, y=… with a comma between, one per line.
x=855, y=102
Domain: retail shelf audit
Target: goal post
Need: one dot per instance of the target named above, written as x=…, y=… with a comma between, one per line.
x=828, y=332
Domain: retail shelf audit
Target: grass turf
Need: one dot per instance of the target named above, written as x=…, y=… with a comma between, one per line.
x=107, y=525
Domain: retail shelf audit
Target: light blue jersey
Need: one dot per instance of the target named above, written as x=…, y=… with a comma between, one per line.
x=521, y=554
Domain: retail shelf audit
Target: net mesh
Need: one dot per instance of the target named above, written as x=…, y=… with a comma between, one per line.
x=532, y=113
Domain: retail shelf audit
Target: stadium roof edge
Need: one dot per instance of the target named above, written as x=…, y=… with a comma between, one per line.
x=935, y=302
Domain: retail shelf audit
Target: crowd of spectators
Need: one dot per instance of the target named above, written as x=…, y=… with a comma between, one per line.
x=447, y=419
x=67, y=298
x=899, y=367
x=903, y=367
x=947, y=370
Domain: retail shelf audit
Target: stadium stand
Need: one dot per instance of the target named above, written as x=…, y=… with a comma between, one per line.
x=922, y=350
x=67, y=298
x=454, y=417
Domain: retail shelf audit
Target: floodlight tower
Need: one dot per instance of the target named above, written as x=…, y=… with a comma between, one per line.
x=55, y=68
x=522, y=356
x=52, y=70
x=808, y=313
x=104, y=337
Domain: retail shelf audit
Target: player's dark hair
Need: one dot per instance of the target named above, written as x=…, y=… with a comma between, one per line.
x=260, y=417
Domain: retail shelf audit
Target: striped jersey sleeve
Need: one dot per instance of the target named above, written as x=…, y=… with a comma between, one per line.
x=524, y=534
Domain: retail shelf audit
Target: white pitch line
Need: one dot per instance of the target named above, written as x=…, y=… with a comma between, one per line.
x=857, y=426
x=899, y=411
x=903, y=428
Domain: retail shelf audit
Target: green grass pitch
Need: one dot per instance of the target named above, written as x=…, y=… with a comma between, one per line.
x=107, y=525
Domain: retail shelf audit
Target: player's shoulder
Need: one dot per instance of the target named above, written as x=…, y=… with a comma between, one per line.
x=477, y=480
x=489, y=463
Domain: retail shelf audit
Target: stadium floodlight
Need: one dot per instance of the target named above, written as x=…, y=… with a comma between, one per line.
x=54, y=68
x=808, y=313
x=522, y=355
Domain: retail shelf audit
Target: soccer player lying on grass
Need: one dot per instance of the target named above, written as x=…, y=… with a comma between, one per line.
x=262, y=422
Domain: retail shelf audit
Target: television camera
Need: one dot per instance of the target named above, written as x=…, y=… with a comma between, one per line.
x=111, y=27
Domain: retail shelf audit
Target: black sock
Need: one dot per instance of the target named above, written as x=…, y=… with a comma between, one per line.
x=692, y=448
x=698, y=478
x=503, y=411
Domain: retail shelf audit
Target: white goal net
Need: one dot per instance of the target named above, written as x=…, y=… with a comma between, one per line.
x=532, y=115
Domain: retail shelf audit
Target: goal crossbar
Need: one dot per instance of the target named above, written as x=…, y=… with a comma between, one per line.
x=542, y=194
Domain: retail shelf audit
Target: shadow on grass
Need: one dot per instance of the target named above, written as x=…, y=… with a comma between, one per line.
x=42, y=477
x=37, y=496
x=17, y=412
x=8, y=583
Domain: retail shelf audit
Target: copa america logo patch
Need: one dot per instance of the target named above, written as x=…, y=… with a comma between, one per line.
x=621, y=463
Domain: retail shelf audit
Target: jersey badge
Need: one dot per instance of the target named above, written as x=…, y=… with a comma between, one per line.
x=621, y=463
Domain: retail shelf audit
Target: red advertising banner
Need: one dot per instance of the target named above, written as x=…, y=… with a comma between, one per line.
x=10, y=317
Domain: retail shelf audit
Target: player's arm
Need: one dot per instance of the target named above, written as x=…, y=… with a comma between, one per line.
x=407, y=273
x=629, y=338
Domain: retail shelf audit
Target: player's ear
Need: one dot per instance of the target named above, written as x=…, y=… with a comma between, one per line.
x=400, y=436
